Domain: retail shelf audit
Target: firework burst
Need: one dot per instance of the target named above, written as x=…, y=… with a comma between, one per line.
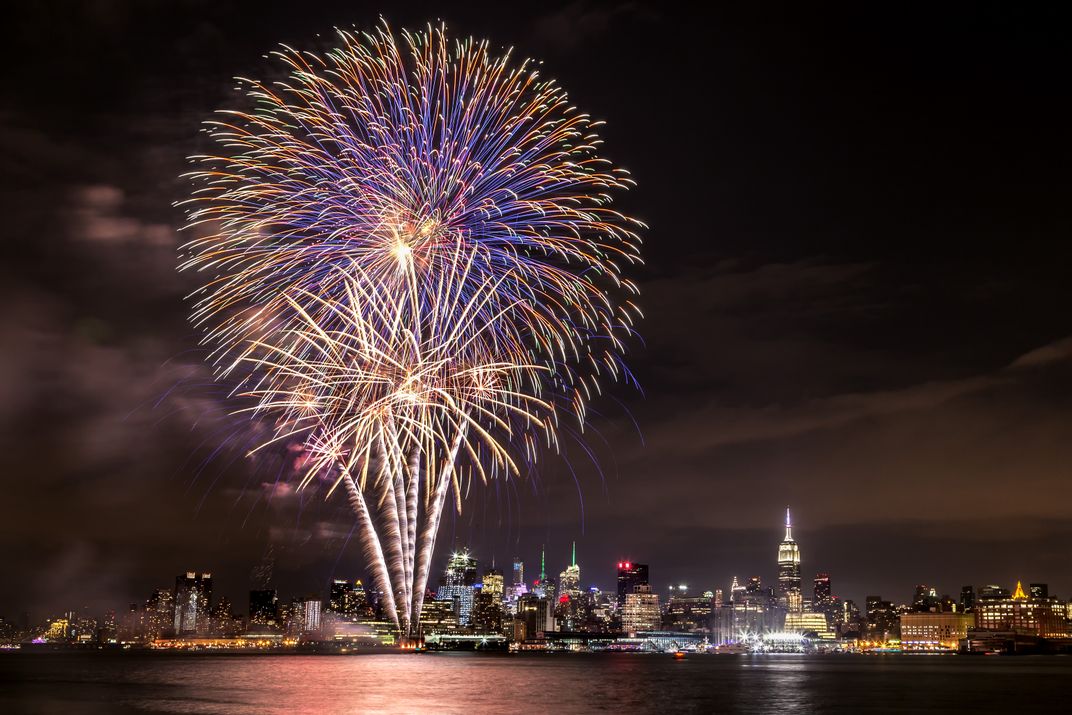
x=413, y=267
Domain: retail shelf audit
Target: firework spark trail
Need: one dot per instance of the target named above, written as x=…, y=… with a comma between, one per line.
x=411, y=265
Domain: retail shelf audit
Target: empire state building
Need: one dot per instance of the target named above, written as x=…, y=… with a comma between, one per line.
x=789, y=594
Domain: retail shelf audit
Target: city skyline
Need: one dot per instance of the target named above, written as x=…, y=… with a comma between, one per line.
x=855, y=298
x=461, y=559
x=477, y=608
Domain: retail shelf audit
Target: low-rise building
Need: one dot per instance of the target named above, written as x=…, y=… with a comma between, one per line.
x=934, y=631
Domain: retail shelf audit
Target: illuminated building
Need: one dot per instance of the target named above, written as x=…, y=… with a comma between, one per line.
x=57, y=630
x=492, y=585
x=789, y=594
x=737, y=591
x=689, y=614
x=641, y=610
x=718, y=597
x=882, y=621
x=1039, y=590
x=348, y=600
x=310, y=618
x=518, y=588
x=1022, y=614
x=808, y=623
x=459, y=581
x=991, y=592
x=487, y=614
x=536, y=615
x=569, y=581
x=339, y=595
x=223, y=622
x=263, y=609
x=519, y=571
x=850, y=618
x=822, y=588
x=438, y=616
x=543, y=586
x=193, y=593
x=630, y=576
x=929, y=631
x=160, y=613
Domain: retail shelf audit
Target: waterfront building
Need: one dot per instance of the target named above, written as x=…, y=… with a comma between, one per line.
x=808, y=623
x=641, y=610
x=1022, y=614
x=487, y=614
x=193, y=594
x=310, y=615
x=348, y=601
x=934, y=631
x=882, y=619
x=789, y=593
x=734, y=619
x=535, y=614
x=689, y=614
x=438, y=617
x=630, y=575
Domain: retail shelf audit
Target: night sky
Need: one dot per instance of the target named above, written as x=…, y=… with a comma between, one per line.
x=857, y=301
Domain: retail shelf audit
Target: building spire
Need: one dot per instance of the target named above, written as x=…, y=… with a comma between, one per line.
x=788, y=526
x=543, y=570
x=1019, y=593
x=574, y=553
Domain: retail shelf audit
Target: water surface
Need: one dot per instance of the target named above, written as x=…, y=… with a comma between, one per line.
x=106, y=683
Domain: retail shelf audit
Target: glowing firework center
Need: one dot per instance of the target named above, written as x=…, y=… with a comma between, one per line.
x=413, y=272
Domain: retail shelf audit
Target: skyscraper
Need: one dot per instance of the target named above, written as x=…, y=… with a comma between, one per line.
x=967, y=599
x=160, y=610
x=822, y=592
x=569, y=581
x=310, y=614
x=630, y=576
x=492, y=585
x=544, y=586
x=789, y=595
x=641, y=611
x=193, y=594
x=519, y=571
x=458, y=584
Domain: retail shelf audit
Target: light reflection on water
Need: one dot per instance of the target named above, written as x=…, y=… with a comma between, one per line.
x=88, y=684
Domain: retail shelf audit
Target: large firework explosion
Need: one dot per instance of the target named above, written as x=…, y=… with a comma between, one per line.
x=413, y=270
